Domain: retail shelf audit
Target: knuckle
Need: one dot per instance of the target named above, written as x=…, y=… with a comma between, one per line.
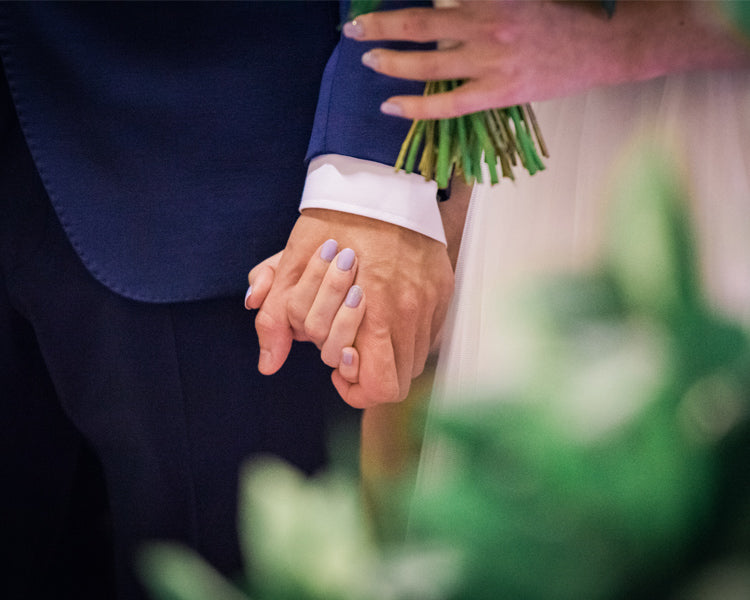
x=315, y=330
x=296, y=313
x=329, y=357
x=417, y=370
x=387, y=393
x=340, y=284
x=380, y=390
x=266, y=323
x=414, y=25
x=432, y=62
x=409, y=303
x=459, y=104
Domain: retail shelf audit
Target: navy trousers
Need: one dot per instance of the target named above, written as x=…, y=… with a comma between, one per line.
x=120, y=421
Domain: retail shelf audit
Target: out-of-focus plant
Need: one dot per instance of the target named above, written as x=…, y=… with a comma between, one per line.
x=614, y=464
x=439, y=148
x=738, y=12
x=304, y=539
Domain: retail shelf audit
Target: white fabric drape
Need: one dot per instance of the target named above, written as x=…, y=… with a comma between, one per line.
x=554, y=220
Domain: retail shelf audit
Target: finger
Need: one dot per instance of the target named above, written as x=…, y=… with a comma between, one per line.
x=348, y=366
x=259, y=287
x=274, y=338
x=466, y=99
x=272, y=261
x=342, y=386
x=403, y=350
x=351, y=393
x=343, y=330
x=409, y=24
x=334, y=290
x=433, y=65
x=378, y=376
x=260, y=278
x=421, y=350
x=303, y=293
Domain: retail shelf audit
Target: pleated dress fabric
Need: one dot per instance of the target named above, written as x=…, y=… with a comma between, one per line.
x=554, y=221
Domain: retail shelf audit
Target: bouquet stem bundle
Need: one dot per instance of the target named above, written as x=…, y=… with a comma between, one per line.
x=504, y=136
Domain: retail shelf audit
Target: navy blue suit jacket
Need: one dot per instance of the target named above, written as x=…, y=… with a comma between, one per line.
x=171, y=138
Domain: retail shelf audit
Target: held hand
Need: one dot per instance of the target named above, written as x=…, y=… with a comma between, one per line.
x=335, y=307
x=512, y=52
x=408, y=279
x=260, y=279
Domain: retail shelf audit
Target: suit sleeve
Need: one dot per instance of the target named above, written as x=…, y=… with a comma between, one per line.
x=353, y=144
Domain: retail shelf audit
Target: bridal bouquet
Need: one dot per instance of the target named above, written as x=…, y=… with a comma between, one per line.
x=501, y=136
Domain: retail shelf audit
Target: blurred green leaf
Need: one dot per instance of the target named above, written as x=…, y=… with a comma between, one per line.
x=613, y=463
x=174, y=572
x=596, y=471
x=738, y=11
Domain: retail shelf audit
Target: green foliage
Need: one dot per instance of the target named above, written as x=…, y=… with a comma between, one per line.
x=460, y=145
x=501, y=137
x=173, y=572
x=738, y=11
x=600, y=470
x=613, y=465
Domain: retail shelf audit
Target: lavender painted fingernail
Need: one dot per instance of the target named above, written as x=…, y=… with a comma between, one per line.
x=345, y=261
x=347, y=357
x=353, y=297
x=328, y=250
x=391, y=108
x=371, y=59
x=354, y=29
x=247, y=296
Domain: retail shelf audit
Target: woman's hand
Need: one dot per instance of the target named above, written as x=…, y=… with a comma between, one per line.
x=512, y=52
x=325, y=303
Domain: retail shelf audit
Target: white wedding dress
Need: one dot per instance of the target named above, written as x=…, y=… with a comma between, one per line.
x=553, y=220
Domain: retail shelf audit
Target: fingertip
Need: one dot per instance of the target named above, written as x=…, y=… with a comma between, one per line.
x=349, y=364
x=270, y=361
x=346, y=259
x=274, y=341
x=392, y=108
x=353, y=297
x=328, y=250
x=248, y=295
x=446, y=105
x=343, y=387
x=347, y=357
x=354, y=29
x=266, y=363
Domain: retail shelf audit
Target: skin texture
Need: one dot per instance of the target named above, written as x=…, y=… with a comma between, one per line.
x=513, y=52
x=322, y=289
x=335, y=307
x=408, y=280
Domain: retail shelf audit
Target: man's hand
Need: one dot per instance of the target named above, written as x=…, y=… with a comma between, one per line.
x=408, y=281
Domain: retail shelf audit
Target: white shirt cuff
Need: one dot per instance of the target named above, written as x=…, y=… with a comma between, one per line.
x=374, y=190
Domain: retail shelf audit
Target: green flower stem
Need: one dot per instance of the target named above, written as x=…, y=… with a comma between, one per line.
x=530, y=117
x=427, y=163
x=444, y=158
x=505, y=136
x=485, y=144
x=413, y=145
x=465, y=155
x=406, y=144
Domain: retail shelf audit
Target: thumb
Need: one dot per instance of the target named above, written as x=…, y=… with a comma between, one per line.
x=274, y=339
